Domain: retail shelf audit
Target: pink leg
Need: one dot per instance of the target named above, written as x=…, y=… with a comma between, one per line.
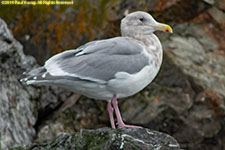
x=110, y=111
x=119, y=118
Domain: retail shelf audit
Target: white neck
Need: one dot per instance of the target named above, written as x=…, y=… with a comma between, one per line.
x=152, y=46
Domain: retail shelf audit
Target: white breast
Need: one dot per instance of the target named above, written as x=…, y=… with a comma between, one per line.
x=125, y=85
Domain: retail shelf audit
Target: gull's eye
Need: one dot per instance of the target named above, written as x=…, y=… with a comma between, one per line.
x=141, y=19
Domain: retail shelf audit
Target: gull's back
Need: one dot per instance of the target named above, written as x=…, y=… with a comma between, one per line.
x=97, y=69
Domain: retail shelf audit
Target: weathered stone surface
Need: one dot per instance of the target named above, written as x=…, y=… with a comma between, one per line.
x=205, y=66
x=17, y=113
x=110, y=139
x=20, y=106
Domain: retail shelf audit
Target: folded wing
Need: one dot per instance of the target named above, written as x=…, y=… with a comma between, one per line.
x=98, y=61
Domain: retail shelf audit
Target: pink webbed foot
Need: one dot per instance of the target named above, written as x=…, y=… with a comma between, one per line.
x=128, y=126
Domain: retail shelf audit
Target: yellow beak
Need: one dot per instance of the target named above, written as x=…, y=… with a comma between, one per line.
x=163, y=27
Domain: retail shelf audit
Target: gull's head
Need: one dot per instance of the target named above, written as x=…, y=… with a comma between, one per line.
x=141, y=23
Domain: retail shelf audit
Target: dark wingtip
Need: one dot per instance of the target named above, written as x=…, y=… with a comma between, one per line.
x=23, y=80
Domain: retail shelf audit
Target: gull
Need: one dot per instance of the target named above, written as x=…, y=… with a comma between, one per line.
x=108, y=69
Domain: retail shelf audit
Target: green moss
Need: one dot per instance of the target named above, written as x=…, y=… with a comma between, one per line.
x=93, y=141
x=18, y=148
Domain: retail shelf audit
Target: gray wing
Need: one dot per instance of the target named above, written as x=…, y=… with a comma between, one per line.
x=99, y=60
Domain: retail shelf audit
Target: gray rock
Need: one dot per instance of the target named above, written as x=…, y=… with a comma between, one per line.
x=17, y=113
x=190, y=87
x=218, y=15
x=20, y=111
x=196, y=56
x=109, y=139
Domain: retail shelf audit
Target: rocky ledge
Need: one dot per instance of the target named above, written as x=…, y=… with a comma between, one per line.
x=109, y=139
